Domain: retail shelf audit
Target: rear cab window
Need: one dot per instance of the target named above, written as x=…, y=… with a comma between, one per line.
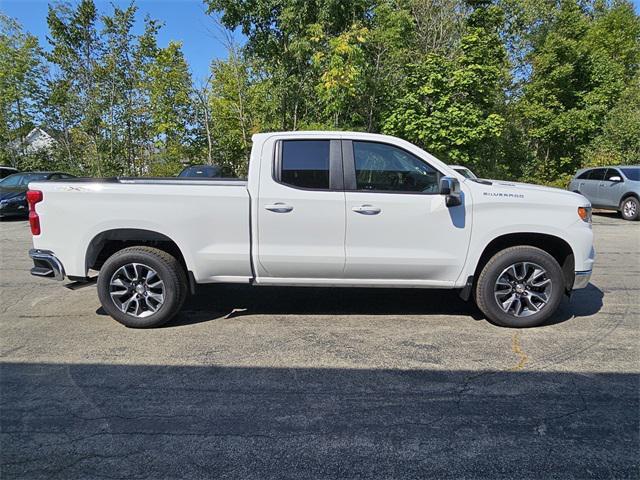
x=305, y=164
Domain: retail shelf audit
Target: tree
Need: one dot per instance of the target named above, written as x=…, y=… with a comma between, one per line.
x=73, y=105
x=170, y=101
x=619, y=141
x=580, y=61
x=455, y=107
x=233, y=102
x=22, y=74
x=279, y=43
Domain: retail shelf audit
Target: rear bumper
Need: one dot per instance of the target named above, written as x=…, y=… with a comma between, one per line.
x=45, y=264
x=581, y=279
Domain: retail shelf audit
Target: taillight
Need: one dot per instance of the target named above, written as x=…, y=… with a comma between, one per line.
x=33, y=197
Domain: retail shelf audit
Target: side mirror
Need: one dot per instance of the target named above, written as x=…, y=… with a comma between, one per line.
x=616, y=178
x=450, y=187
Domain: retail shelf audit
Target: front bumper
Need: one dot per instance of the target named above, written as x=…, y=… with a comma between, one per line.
x=581, y=279
x=45, y=264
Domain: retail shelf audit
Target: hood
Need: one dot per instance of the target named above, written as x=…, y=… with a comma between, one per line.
x=526, y=186
x=503, y=186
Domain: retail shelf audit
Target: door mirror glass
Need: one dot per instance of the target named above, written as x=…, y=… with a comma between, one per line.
x=450, y=187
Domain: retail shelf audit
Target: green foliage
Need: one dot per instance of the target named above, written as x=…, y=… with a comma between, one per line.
x=170, y=88
x=581, y=61
x=619, y=141
x=21, y=77
x=519, y=89
x=453, y=107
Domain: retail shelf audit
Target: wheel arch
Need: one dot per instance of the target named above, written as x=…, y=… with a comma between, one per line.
x=555, y=246
x=108, y=242
x=629, y=194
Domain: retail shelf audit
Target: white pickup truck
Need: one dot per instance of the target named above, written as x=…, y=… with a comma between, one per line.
x=318, y=209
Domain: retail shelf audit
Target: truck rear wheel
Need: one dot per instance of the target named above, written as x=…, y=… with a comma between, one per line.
x=142, y=287
x=520, y=287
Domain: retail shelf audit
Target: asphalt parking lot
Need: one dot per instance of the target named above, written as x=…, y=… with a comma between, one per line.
x=320, y=383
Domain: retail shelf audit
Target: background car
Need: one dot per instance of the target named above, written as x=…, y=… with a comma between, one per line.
x=610, y=188
x=6, y=171
x=13, y=191
x=464, y=171
x=210, y=171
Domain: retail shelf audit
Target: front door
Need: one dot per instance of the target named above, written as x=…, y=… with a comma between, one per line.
x=301, y=218
x=398, y=226
x=609, y=191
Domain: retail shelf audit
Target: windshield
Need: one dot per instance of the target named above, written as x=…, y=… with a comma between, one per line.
x=632, y=173
x=465, y=172
x=21, y=179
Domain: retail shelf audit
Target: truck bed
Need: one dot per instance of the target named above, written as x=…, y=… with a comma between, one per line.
x=208, y=219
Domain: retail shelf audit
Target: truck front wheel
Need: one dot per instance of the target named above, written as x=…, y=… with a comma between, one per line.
x=142, y=287
x=520, y=287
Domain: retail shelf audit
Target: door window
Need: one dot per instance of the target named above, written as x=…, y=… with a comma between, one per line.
x=584, y=175
x=12, y=181
x=305, y=163
x=612, y=172
x=597, y=174
x=385, y=168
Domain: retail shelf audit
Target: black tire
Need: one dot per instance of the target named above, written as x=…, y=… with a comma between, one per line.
x=170, y=271
x=485, y=293
x=630, y=208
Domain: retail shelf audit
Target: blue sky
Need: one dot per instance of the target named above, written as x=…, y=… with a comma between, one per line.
x=185, y=21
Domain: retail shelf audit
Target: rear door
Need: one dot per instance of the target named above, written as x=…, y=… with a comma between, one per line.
x=301, y=217
x=591, y=185
x=579, y=182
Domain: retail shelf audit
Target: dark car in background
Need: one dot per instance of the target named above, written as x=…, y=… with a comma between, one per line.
x=611, y=188
x=207, y=171
x=6, y=171
x=13, y=191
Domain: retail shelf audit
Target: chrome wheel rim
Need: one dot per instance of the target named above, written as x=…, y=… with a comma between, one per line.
x=523, y=289
x=137, y=290
x=629, y=208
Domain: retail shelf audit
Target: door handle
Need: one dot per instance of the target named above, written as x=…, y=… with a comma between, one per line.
x=367, y=210
x=279, y=207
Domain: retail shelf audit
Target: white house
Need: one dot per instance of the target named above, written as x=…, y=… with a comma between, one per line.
x=35, y=141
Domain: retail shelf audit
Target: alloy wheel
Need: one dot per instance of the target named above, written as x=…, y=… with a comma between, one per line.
x=523, y=289
x=137, y=290
x=629, y=208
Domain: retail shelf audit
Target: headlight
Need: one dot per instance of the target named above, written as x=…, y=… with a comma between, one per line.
x=7, y=201
x=585, y=214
